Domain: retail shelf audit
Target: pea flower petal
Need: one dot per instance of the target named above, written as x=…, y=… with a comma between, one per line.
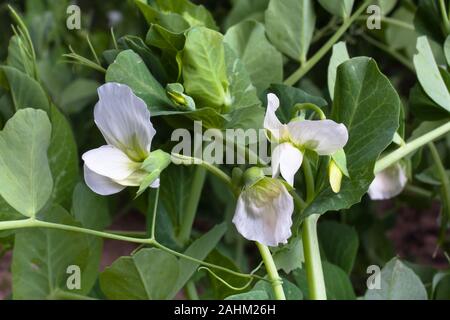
x=388, y=183
x=323, y=136
x=264, y=212
x=286, y=159
x=110, y=162
x=100, y=184
x=124, y=120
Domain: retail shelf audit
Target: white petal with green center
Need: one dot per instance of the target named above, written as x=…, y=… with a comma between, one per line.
x=110, y=162
x=286, y=159
x=388, y=183
x=264, y=212
x=100, y=184
x=124, y=120
x=323, y=136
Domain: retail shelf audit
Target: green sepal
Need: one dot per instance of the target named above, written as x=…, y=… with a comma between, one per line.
x=157, y=160
x=155, y=163
x=341, y=161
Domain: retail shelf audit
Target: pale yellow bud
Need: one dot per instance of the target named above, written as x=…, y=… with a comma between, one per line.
x=335, y=176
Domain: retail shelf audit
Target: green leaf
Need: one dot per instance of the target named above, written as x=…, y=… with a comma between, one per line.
x=426, y=12
x=423, y=107
x=17, y=56
x=441, y=286
x=367, y=103
x=129, y=69
x=429, y=76
x=246, y=10
x=398, y=282
x=342, y=9
x=431, y=176
x=168, y=20
x=199, y=249
x=204, y=69
x=42, y=257
x=251, y=295
x=171, y=45
x=63, y=158
x=150, y=274
x=337, y=283
x=249, y=42
x=89, y=208
x=175, y=191
x=195, y=15
x=290, y=26
x=289, y=96
x=26, y=180
x=246, y=107
x=338, y=56
x=339, y=243
x=25, y=91
x=398, y=37
x=152, y=61
x=78, y=95
x=386, y=5
x=289, y=257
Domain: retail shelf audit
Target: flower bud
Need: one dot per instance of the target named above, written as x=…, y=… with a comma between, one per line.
x=335, y=176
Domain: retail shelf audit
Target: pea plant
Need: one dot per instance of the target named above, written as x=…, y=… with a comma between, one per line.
x=253, y=140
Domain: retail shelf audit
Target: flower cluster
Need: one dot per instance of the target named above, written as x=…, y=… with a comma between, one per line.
x=264, y=209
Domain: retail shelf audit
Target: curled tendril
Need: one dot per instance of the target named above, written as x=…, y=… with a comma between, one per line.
x=298, y=107
x=225, y=282
x=251, y=275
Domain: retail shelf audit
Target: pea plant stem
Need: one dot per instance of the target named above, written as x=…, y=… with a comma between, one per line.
x=191, y=207
x=444, y=15
x=411, y=146
x=309, y=64
x=313, y=263
x=445, y=183
x=272, y=272
x=34, y=223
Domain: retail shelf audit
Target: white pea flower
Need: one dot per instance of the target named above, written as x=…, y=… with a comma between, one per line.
x=322, y=136
x=388, y=183
x=264, y=210
x=124, y=121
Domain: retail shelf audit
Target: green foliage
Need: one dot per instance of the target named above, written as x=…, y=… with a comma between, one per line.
x=290, y=26
x=25, y=173
x=341, y=9
x=339, y=243
x=249, y=42
x=398, y=282
x=149, y=274
x=204, y=69
x=128, y=68
x=216, y=64
x=42, y=258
